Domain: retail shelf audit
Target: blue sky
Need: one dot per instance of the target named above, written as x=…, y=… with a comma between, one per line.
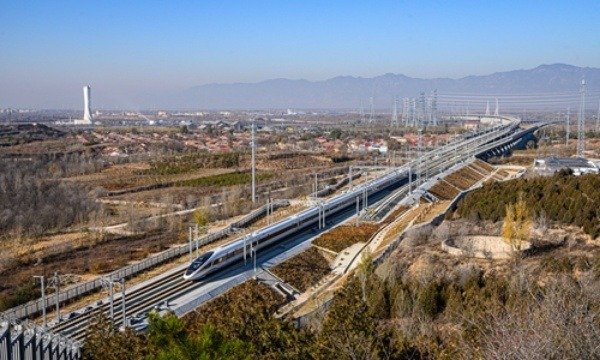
x=127, y=49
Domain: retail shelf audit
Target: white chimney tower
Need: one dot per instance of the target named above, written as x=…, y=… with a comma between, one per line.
x=87, y=105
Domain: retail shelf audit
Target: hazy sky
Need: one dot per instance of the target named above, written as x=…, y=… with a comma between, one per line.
x=131, y=49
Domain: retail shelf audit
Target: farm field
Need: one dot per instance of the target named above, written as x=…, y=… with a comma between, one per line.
x=122, y=177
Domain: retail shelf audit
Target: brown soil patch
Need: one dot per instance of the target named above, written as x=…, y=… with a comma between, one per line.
x=303, y=270
x=341, y=237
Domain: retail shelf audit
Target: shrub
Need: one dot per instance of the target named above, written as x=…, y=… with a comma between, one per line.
x=191, y=162
x=572, y=200
x=22, y=294
x=229, y=179
x=430, y=299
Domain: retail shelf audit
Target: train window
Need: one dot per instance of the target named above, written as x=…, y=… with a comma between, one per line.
x=198, y=262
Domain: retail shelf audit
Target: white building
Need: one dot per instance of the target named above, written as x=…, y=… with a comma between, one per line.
x=553, y=164
x=87, y=108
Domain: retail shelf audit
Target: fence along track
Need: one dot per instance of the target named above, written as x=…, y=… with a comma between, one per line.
x=35, y=307
x=29, y=342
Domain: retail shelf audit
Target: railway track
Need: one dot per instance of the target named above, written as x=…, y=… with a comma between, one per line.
x=144, y=298
x=147, y=293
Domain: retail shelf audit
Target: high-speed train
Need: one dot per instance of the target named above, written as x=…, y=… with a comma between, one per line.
x=223, y=256
x=235, y=251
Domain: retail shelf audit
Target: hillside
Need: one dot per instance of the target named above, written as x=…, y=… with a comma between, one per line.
x=563, y=198
x=348, y=91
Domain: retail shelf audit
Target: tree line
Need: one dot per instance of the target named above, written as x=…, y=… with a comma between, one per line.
x=460, y=314
x=564, y=198
x=32, y=202
x=189, y=162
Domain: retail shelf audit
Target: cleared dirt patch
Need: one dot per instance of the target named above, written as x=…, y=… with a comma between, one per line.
x=343, y=236
x=303, y=270
x=482, y=164
x=431, y=211
x=443, y=190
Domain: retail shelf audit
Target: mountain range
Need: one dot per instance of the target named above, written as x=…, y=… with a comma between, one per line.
x=348, y=92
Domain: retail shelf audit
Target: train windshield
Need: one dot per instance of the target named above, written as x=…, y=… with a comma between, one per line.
x=199, y=261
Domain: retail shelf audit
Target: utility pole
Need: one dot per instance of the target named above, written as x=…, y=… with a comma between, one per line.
x=253, y=161
x=395, y=113
x=316, y=183
x=409, y=179
x=197, y=237
x=434, y=119
x=111, y=300
x=581, y=121
x=245, y=238
x=57, y=290
x=568, y=126
x=422, y=108
x=362, y=111
x=413, y=111
x=598, y=118
x=405, y=118
x=419, y=144
x=268, y=207
x=371, y=110
x=357, y=209
x=253, y=249
x=42, y=282
x=350, y=177
x=123, y=301
x=497, y=110
x=190, y=236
